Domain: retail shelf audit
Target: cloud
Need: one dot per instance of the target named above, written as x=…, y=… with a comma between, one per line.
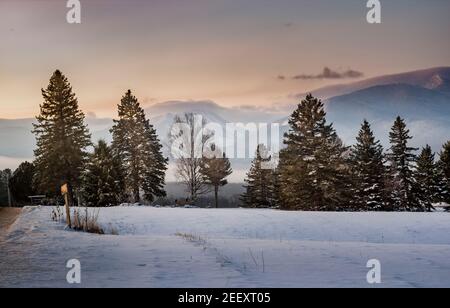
x=328, y=73
x=91, y=115
x=149, y=100
x=270, y=111
x=247, y=107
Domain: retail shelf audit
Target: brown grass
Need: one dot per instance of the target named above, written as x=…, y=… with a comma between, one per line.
x=192, y=238
x=83, y=220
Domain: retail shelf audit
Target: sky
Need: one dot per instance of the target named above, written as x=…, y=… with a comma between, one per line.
x=232, y=52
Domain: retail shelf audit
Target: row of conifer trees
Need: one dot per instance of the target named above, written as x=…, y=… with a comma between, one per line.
x=132, y=166
x=317, y=171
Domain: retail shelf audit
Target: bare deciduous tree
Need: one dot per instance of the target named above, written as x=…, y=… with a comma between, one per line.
x=189, y=139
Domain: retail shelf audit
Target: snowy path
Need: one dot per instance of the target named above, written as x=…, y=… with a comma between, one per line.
x=35, y=256
x=235, y=248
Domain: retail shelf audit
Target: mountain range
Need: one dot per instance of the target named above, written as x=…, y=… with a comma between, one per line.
x=437, y=78
x=421, y=97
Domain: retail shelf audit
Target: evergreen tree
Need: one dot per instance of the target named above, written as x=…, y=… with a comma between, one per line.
x=136, y=144
x=313, y=166
x=445, y=159
x=276, y=188
x=155, y=165
x=402, y=158
x=442, y=186
x=62, y=138
x=21, y=183
x=368, y=171
x=260, y=182
x=215, y=170
x=444, y=173
x=426, y=177
x=5, y=176
x=103, y=181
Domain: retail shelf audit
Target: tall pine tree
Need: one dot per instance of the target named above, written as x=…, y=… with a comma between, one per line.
x=402, y=158
x=276, y=188
x=313, y=166
x=260, y=182
x=368, y=171
x=155, y=165
x=62, y=138
x=103, y=179
x=427, y=181
x=136, y=144
x=444, y=173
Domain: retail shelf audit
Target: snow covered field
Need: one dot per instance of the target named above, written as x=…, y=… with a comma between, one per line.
x=164, y=247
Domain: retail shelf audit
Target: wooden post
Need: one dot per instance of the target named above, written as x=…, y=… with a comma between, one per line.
x=65, y=193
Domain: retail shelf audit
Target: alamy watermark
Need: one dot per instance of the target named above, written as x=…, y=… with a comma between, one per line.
x=194, y=138
x=74, y=14
x=374, y=274
x=374, y=14
x=74, y=274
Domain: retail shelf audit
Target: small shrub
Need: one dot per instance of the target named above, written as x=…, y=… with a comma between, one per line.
x=85, y=221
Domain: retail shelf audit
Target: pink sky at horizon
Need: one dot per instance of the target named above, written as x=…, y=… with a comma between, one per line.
x=227, y=51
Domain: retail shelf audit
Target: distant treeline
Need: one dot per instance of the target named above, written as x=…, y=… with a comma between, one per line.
x=315, y=172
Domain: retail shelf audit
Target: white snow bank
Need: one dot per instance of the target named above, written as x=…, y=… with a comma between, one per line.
x=229, y=248
x=394, y=228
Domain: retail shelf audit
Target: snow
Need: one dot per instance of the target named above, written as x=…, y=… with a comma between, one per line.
x=189, y=247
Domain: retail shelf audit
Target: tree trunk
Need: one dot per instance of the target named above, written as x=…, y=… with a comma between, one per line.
x=136, y=195
x=193, y=197
x=216, y=196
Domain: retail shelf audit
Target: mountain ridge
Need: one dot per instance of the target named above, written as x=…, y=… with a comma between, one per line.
x=417, y=77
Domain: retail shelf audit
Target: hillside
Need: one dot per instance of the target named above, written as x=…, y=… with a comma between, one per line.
x=426, y=111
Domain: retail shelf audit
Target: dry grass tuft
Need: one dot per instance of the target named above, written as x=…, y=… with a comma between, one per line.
x=84, y=221
x=192, y=238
